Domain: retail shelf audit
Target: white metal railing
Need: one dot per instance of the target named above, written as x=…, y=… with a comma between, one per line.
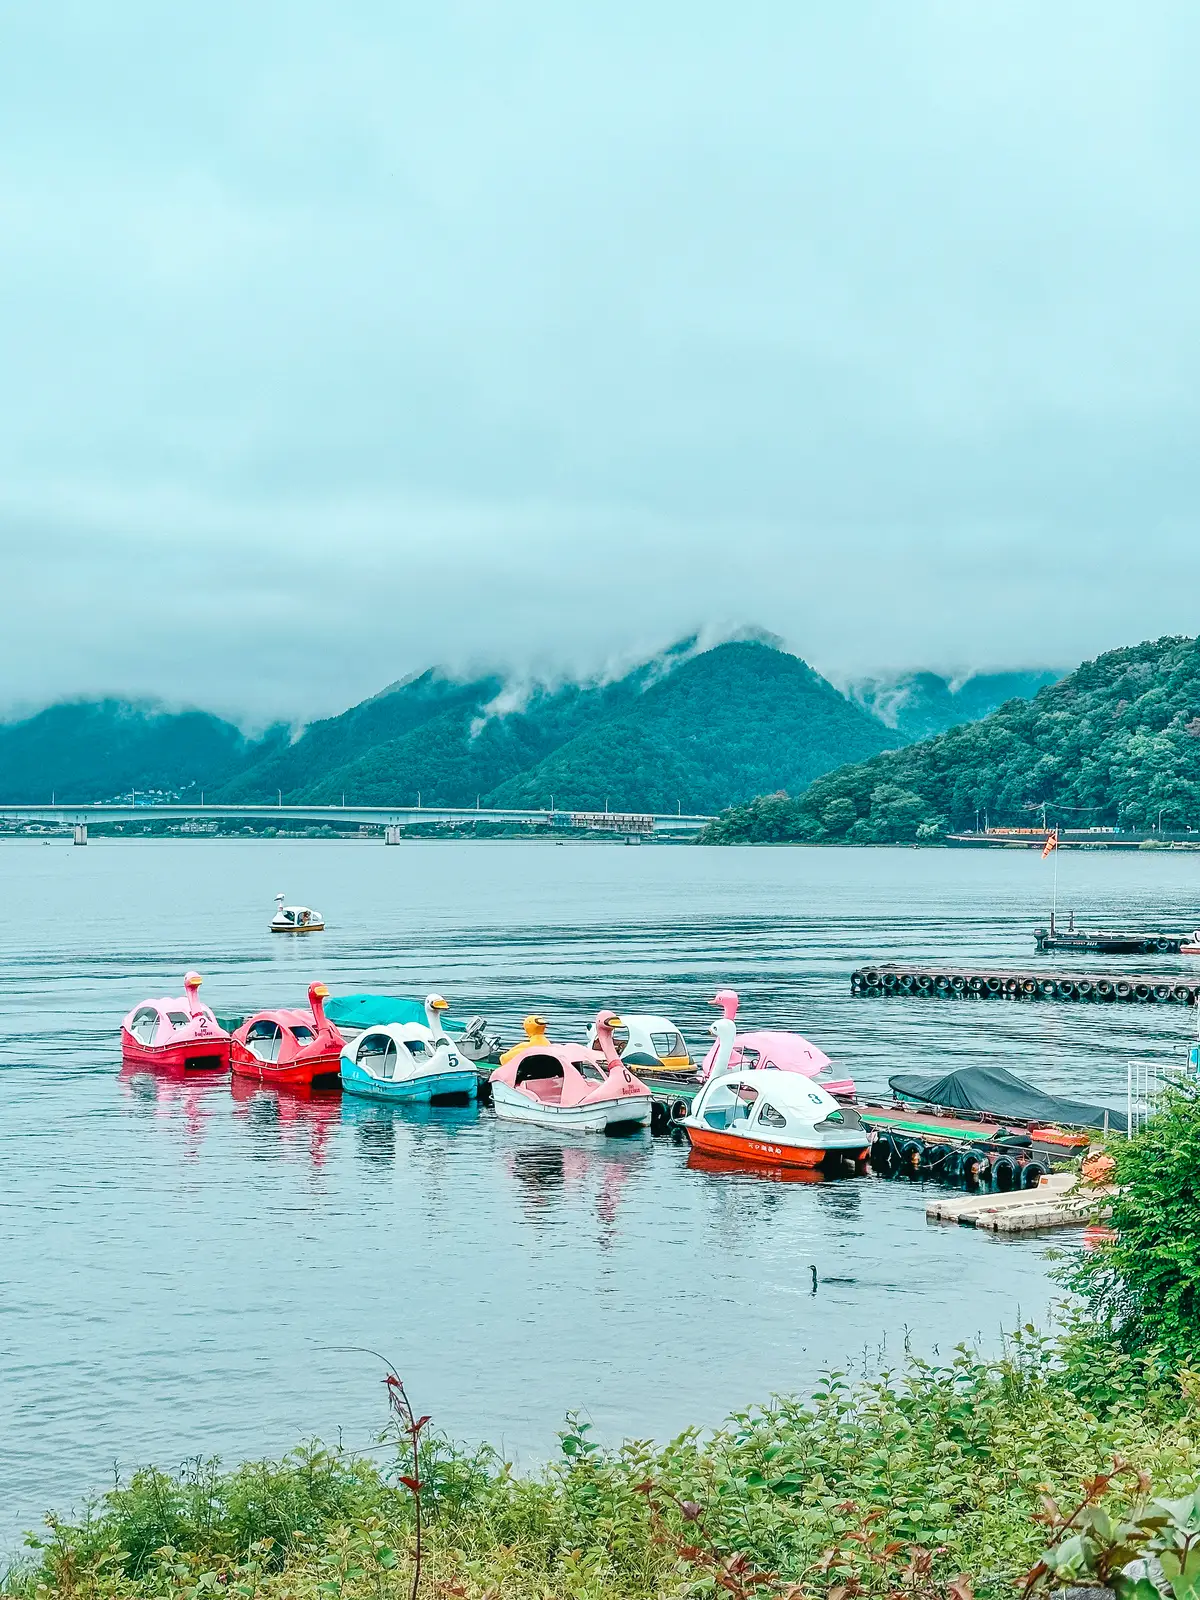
x=1147, y=1081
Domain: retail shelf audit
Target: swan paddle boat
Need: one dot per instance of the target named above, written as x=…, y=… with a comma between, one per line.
x=651, y=1042
x=568, y=1086
x=293, y=1049
x=767, y=1118
x=408, y=1061
x=179, y=1034
x=296, y=919
x=764, y=1050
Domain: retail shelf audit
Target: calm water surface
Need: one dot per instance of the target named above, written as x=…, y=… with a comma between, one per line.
x=187, y=1270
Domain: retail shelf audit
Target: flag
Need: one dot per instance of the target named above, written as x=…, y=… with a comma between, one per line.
x=1051, y=843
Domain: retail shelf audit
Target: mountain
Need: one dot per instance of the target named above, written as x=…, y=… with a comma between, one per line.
x=1116, y=742
x=919, y=704
x=98, y=749
x=451, y=743
x=722, y=726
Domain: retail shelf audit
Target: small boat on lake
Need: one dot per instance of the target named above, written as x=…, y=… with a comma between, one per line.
x=649, y=1042
x=767, y=1118
x=767, y=1050
x=180, y=1034
x=568, y=1086
x=296, y=919
x=408, y=1061
x=293, y=1049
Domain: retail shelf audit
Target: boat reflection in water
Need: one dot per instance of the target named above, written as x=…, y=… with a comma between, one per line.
x=302, y=1118
x=698, y=1162
x=175, y=1096
x=376, y=1124
x=552, y=1174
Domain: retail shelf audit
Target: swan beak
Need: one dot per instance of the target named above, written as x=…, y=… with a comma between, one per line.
x=321, y=992
x=615, y=1022
x=438, y=1004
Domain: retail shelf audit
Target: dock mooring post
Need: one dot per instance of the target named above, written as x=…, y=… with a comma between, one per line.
x=80, y=833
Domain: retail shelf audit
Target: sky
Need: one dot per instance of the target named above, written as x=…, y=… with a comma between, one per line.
x=341, y=339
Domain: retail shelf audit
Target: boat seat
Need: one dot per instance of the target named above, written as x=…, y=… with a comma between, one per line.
x=548, y=1090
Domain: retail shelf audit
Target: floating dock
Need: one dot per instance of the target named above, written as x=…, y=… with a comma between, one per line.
x=1057, y=1202
x=992, y=983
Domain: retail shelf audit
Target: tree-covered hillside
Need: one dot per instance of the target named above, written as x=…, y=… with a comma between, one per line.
x=725, y=725
x=1115, y=742
x=99, y=749
x=920, y=704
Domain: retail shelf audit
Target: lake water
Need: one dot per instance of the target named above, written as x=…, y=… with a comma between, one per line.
x=187, y=1271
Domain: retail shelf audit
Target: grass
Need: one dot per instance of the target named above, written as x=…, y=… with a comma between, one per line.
x=831, y=1494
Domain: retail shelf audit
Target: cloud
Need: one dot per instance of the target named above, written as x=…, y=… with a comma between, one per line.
x=338, y=341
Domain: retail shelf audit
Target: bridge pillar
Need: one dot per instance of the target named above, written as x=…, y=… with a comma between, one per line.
x=80, y=833
x=393, y=833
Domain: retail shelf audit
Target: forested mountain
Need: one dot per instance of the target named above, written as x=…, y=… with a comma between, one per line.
x=99, y=749
x=690, y=728
x=1115, y=742
x=723, y=726
x=920, y=704
x=450, y=743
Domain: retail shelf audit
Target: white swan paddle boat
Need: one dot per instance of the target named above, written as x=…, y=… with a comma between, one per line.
x=296, y=919
x=408, y=1061
x=568, y=1086
x=654, y=1043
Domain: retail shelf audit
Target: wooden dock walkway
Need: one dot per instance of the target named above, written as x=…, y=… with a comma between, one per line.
x=994, y=983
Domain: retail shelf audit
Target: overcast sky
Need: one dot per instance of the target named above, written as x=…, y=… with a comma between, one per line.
x=339, y=339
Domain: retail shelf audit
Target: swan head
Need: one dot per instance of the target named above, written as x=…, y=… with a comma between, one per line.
x=727, y=1000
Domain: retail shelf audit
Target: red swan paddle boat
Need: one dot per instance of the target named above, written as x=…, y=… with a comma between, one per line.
x=181, y=1035
x=295, y=1049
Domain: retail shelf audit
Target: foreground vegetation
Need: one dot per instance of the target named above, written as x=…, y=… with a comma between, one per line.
x=1116, y=742
x=799, y=1498
x=1054, y=1462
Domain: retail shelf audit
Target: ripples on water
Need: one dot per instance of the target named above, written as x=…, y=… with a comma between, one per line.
x=190, y=1269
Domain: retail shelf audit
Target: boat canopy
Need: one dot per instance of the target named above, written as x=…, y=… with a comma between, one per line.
x=378, y=1011
x=999, y=1093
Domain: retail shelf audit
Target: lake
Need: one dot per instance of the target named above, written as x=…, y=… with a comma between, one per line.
x=188, y=1270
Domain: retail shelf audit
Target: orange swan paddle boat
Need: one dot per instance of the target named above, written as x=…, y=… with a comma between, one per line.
x=179, y=1034
x=294, y=1049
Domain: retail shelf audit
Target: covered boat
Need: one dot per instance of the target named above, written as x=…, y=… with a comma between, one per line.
x=293, y=1049
x=295, y=919
x=773, y=1119
x=568, y=1086
x=995, y=1092
x=177, y=1033
x=408, y=1061
x=652, y=1042
x=765, y=1050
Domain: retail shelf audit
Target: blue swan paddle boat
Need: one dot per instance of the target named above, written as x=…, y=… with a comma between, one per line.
x=408, y=1061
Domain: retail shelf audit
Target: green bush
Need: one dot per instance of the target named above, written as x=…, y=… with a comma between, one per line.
x=1143, y=1287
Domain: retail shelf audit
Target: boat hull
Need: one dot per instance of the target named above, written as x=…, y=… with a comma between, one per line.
x=598, y=1116
x=189, y=1055
x=419, y=1090
x=309, y=927
x=321, y=1071
x=718, y=1142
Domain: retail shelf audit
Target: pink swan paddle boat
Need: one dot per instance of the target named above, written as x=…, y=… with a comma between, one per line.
x=181, y=1034
x=290, y=1048
x=569, y=1086
x=764, y=1049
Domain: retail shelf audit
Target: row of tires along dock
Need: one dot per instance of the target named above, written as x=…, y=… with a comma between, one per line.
x=975, y=983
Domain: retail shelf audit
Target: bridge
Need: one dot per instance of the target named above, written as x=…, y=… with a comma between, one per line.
x=391, y=820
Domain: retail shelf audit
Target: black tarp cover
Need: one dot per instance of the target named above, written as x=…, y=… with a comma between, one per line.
x=998, y=1093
